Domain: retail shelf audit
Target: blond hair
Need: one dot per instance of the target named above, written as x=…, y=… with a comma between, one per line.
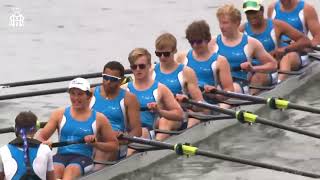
x=166, y=40
x=231, y=11
x=139, y=52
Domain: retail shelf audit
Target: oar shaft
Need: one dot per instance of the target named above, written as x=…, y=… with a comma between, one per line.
x=241, y=96
x=288, y=128
x=66, y=143
x=196, y=151
x=255, y=119
x=53, y=80
x=6, y=130
x=303, y=108
x=258, y=164
x=37, y=93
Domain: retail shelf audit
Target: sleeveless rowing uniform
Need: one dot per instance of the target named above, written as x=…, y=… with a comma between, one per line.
x=144, y=97
x=235, y=55
x=71, y=129
x=113, y=109
x=296, y=19
x=268, y=40
x=173, y=80
x=205, y=70
x=12, y=161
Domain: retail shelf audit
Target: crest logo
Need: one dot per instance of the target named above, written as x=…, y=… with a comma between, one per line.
x=16, y=19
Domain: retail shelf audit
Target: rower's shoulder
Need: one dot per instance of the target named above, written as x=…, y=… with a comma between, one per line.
x=130, y=97
x=58, y=112
x=180, y=57
x=309, y=11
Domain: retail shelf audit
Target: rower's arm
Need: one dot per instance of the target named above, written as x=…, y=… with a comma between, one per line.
x=300, y=40
x=268, y=63
x=170, y=108
x=51, y=126
x=312, y=23
x=133, y=114
x=224, y=76
x=270, y=10
x=107, y=141
x=191, y=83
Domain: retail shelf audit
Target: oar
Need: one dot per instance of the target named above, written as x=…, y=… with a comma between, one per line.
x=45, y=92
x=11, y=129
x=248, y=117
x=66, y=143
x=191, y=150
x=52, y=80
x=274, y=103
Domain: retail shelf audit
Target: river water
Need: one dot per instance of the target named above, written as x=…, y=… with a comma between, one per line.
x=68, y=37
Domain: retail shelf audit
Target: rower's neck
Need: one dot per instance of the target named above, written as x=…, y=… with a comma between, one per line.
x=260, y=27
x=290, y=6
x=110, y=94
x=143, y=83
x=169, y=66
x=234, y=36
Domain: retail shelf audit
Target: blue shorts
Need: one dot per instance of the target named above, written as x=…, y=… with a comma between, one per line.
x=85, y=163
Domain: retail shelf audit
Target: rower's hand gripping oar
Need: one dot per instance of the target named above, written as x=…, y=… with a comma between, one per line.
x=248, y=117
x=273, y=102
x=183, y=149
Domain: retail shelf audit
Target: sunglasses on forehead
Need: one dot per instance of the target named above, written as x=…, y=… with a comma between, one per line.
x=192, y=42
x=110, y=78
x=136, y=66
x=165, y=54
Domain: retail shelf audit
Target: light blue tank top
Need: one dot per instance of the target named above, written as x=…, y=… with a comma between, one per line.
x=113, y=109
x=205, y=70
x=291, y=18
x=144, y=97
x=73, y=130
x=18, y=156
x=171, y=80
x=235, y=55
x=267, y=38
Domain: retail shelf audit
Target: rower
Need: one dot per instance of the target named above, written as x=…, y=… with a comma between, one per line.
x=25, y=157
x=303, y=17
x=121, y=107
x=180, y=79
x=153, y=95
x=211, y=69
x=269, y=31
x=78, y=122
x=240, y=49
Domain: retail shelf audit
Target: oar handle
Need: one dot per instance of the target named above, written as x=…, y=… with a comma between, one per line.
x=66, y=143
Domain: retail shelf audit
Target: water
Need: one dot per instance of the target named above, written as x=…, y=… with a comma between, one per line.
x=67, y=37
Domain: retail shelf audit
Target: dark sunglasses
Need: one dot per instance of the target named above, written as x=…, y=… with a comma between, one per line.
x=110, y=78
x=135, y=66
x=165, y=54
x=192, y=42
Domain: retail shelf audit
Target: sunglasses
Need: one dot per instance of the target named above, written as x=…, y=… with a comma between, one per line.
x=165, y=54
x=192, y=42
x=110, y=78
x=135, y=66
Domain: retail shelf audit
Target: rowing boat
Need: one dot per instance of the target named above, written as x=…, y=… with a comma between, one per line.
x=204, y=129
